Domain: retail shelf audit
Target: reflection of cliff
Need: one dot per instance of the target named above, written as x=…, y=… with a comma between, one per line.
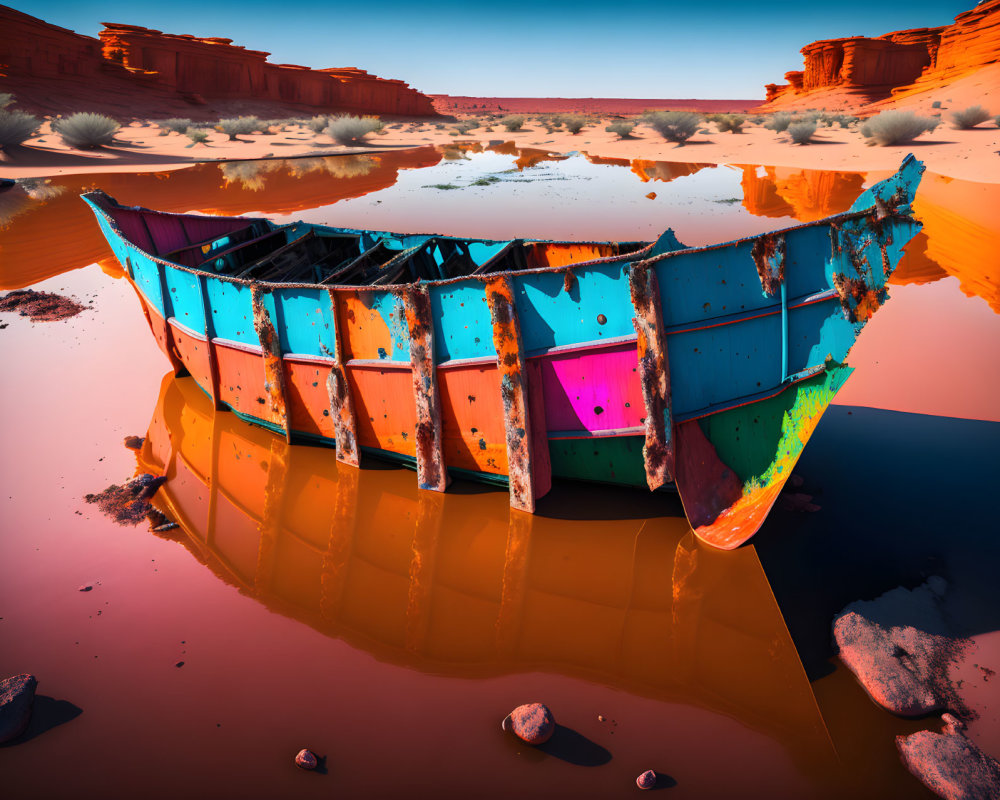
x=73, y=240
x=902, y=62
x=806, y=194
x=960, y=237
x=459, y=585
x=963, y=233
x=50, y=67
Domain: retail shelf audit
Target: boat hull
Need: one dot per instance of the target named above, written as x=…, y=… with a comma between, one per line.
x=702, y=370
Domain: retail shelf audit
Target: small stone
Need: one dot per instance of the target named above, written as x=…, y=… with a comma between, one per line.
x=600, y=718
x=306, y=759
x=647, y=780
x=17, y=694
x=651, y=196
x=532, y=722
x=86, y=587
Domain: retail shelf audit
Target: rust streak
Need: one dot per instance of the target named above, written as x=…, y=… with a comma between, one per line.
x=274, y=370
x=338, y=389
x=527, y=475
x=431, y=470
x=769, y=257
x=654, y=375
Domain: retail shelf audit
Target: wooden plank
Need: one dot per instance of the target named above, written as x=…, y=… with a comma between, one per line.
x=274, y=370
x=338, y=388
x=654, y=375
x=432, y=472
x=529, y=474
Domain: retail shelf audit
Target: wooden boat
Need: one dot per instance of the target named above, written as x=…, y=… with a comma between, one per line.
x=703, y=369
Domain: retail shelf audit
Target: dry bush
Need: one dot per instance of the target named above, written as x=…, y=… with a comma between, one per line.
x=175, y=124
x=237, y=126
x=801, y=132
x=675, y=126
x=895, y=127
x=86, y=131
x=513, y=122
x=16, y=127
x=969, y=117
x=623, y=127
x=349, y=129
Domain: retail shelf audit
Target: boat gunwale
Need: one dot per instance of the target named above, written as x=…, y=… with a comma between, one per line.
x=844, y=216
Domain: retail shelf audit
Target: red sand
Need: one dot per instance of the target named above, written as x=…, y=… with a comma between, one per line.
x=463, y=104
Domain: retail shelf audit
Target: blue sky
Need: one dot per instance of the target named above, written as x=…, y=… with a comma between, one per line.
x=623, y=48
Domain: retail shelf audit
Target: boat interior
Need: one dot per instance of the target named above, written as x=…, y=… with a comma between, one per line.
x=304, y=253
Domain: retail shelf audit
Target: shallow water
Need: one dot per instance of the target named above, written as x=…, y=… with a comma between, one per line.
x=390, y=629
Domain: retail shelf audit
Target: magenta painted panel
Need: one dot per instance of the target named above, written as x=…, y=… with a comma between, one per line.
x=592, y=390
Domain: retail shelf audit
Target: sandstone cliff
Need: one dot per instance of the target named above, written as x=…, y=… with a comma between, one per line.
x=148, y=72
x=858, y=70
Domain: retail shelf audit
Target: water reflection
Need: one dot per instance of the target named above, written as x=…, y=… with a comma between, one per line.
x=460, y=585
x=805, y=194
x=278, y=186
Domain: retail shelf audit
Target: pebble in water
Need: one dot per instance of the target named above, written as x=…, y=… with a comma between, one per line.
x=647, y=780
x=306, y=759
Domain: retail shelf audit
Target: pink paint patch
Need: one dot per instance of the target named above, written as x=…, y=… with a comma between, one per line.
x=592, y=391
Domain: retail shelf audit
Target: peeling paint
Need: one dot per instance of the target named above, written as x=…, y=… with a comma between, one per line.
x=432, y=473
x=274, y=371
x=338, y=389
x=769, y=257
x=654, y=375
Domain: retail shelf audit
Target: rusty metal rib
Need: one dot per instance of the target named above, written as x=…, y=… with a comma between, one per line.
x=528, y=469
x=338, y=389
x=213, y=364
x=432, y=473
x=274, y=370
x=654, y=375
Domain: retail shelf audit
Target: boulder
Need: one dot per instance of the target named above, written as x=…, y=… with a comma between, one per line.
x=951, y=764
x=901, y=648
x=17, y=694
x=532, y=722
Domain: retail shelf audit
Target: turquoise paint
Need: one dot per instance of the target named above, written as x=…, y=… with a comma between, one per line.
x=185, y=298
x=232, y=311
x=462, y=326
x=146, y=276
x=305, y=328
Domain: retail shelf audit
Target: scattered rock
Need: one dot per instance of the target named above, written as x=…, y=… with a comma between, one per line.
x=900, y=648
x=17, y=694
x=128, y=504
x=532, y=722
x=651, y=196
x=87, y=587
x=647, y=780
x=950, y=764
x=40, y=306
x=306, y=759
x=134, y=442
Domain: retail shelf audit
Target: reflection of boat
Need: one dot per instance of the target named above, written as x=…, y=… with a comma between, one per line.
x=460, y=585
x=594, y=361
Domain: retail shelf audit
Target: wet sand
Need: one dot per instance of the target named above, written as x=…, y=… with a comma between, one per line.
x=391, y=630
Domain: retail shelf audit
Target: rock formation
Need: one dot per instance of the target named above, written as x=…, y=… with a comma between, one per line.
x=158, y=70
x=895, y=64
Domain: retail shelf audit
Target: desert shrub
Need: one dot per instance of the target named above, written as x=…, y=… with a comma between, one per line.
x=623, y=127
x=175, y=124
x=235, y=126
x=6, y=98
x=895, y=127
x=729, y=122
x=969, y=117
x=197, y=136
x=846, y=120
x=936, y=104
x=779, y=122
x=466, y=125
x=932, y=123
x=349, y=129
x=996, y=120
x=574, y=123
x=318, y=124
x=801, y=132
x=513, y=122
x=675, y=126
x=16, y=127
x=86, y=131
